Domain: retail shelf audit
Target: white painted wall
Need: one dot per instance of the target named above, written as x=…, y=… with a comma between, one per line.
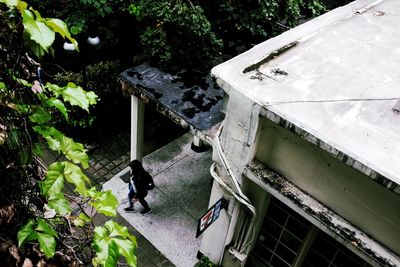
x=347, y=191
x=239, y=130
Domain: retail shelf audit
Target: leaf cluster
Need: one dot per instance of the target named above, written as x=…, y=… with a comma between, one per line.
x=177, y=31
x=260, y=19
x=28, y=112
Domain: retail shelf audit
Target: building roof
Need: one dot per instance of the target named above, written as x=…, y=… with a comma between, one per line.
x=192, y=101
x=335, y=81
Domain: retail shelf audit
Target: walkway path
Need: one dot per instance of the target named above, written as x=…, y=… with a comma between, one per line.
x=183, y=186
x=105, y=161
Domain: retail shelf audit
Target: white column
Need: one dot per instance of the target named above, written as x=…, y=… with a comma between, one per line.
x=137, y=128
x=197, y=141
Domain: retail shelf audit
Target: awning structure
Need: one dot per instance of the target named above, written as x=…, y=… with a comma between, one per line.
x=192, y=102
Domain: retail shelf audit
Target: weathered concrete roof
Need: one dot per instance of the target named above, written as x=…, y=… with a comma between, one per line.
x=334, y=81
x=194, y=102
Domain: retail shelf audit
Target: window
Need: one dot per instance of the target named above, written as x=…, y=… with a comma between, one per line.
x=281, y=239
x=325, y=251
x=281, y=236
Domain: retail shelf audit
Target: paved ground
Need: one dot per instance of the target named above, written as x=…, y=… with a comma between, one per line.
x=183, y=186
x=166, y=237
x=110, y=157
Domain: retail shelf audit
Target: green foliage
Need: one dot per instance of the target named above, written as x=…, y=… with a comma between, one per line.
x=260, y=19
x=111, y=241
x=104, y=202
x=39, y=32
x=88, y=16
x=41, y=231
x=101, y=77
x=176, y=29
x=29, y=113
x=189, y=34
x=205, y=262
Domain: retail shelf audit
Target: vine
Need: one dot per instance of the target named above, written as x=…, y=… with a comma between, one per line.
x=28, y=114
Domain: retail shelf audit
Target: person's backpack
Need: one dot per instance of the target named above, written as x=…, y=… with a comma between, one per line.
x=148, y=181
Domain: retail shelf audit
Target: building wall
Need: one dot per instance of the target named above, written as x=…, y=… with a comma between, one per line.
x=237, y=141
x=348, y=192
x=354, y=196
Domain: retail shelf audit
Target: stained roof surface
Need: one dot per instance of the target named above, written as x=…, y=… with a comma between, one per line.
x=336, y=77
x=190, y=98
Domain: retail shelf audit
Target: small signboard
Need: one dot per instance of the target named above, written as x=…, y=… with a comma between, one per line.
x=210, y=216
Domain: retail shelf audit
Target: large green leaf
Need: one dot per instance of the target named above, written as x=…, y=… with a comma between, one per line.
x=100, y=245
x=126, y=248
x=51, y=187
x=59, y=204
x=59, y=26
x=57, y=103
x=119, y=230
x=44, y=227
x=52, y=136
x=109, y=245
x=40, y=231
x=106, y=203
x=106, y=254
x=74, y=151
x=38, y=31
x=40, y=116
x=58, y=141
x=54, y=144
x=74, y=175
x=76, y=96
x=36, y=48
x=53, y=183
x=113, y=255
x=47, y=244
x=26, y=233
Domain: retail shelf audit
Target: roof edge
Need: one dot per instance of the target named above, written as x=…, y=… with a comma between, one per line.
x=327, y=220
x=346, y=158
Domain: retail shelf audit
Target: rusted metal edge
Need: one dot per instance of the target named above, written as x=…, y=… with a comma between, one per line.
x=320, y=215
x=271, y=56
x=336, y=153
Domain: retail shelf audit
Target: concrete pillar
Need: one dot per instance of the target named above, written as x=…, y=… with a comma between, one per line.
x=198, y=145
x=137, y=128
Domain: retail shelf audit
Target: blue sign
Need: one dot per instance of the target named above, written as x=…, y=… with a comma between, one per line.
x=210, y=216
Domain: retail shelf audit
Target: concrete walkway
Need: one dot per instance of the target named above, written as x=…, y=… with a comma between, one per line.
x=109, y=158
x=183, y=186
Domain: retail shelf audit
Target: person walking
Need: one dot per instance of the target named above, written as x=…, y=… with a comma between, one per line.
x=137, y=186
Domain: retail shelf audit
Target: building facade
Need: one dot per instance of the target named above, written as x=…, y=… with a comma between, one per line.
x=308, y=154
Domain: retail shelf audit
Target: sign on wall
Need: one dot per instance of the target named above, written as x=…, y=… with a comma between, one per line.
x=210, y=216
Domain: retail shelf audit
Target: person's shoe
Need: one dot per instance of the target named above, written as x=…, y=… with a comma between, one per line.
x=129, y=209
x=145, y=211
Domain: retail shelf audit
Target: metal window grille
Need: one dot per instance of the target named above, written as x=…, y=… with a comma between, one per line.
x=281, y=240
x=281, y=236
